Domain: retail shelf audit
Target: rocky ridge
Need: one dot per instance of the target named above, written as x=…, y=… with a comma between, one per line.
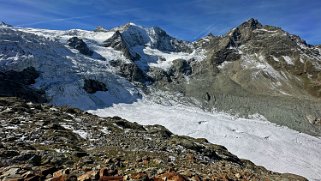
x=255, y=68
x=42, y=142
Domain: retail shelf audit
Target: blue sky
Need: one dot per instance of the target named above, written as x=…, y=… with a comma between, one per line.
x=185, y=19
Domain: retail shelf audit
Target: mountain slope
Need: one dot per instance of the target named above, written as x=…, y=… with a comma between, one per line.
x=256, y=69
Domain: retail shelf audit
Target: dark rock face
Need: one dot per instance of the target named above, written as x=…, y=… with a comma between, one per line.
x=26, y=76
x=180, y=66
x=224, y=55
x=166, y=43
x=132, y=72
x=92, y=86
x=16, y=84
x=118, y=43
x=62, y=143
x=80, y=45
x=158, y=75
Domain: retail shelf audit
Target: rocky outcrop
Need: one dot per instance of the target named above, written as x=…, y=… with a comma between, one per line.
x=118, y=43
x=132, y=72
x=180, y=66
x=164, y=42
x=159, y=75
x=15, y=83
x=59, y=143
x=80, y=45
x=92, y=86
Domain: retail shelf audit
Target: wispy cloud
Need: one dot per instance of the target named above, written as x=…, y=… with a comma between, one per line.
x=77, y=17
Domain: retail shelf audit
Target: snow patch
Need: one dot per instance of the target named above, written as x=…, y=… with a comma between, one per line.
x=259, y=62
x=288, y=60
x=105, y=130
x=164, y=59
x=265, y=30
x=81, y=133
x=275, y=59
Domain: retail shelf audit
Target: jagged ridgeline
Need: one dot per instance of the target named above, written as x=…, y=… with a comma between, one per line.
x=253, y=68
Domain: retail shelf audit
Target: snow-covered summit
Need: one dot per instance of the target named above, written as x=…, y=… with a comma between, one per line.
x=153, y=37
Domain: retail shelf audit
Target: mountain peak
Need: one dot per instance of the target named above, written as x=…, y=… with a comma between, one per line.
x=127, y=26
x=5, y=24
x=131, y=24
x=100, y=29
x=251, y=23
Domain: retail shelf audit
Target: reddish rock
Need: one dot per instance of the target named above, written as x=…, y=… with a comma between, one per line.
x=64, y=178
x=111, y=178
x=171, y=176
x=196, y=178
x=61, y=172
x=88, y=176
x=139, y=176
x=59, y=178
x=103, y=172
x=191, y=158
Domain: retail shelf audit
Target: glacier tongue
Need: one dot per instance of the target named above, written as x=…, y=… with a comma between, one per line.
x=276, y=148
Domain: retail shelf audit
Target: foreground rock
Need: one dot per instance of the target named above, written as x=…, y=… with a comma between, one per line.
x=40, y=142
